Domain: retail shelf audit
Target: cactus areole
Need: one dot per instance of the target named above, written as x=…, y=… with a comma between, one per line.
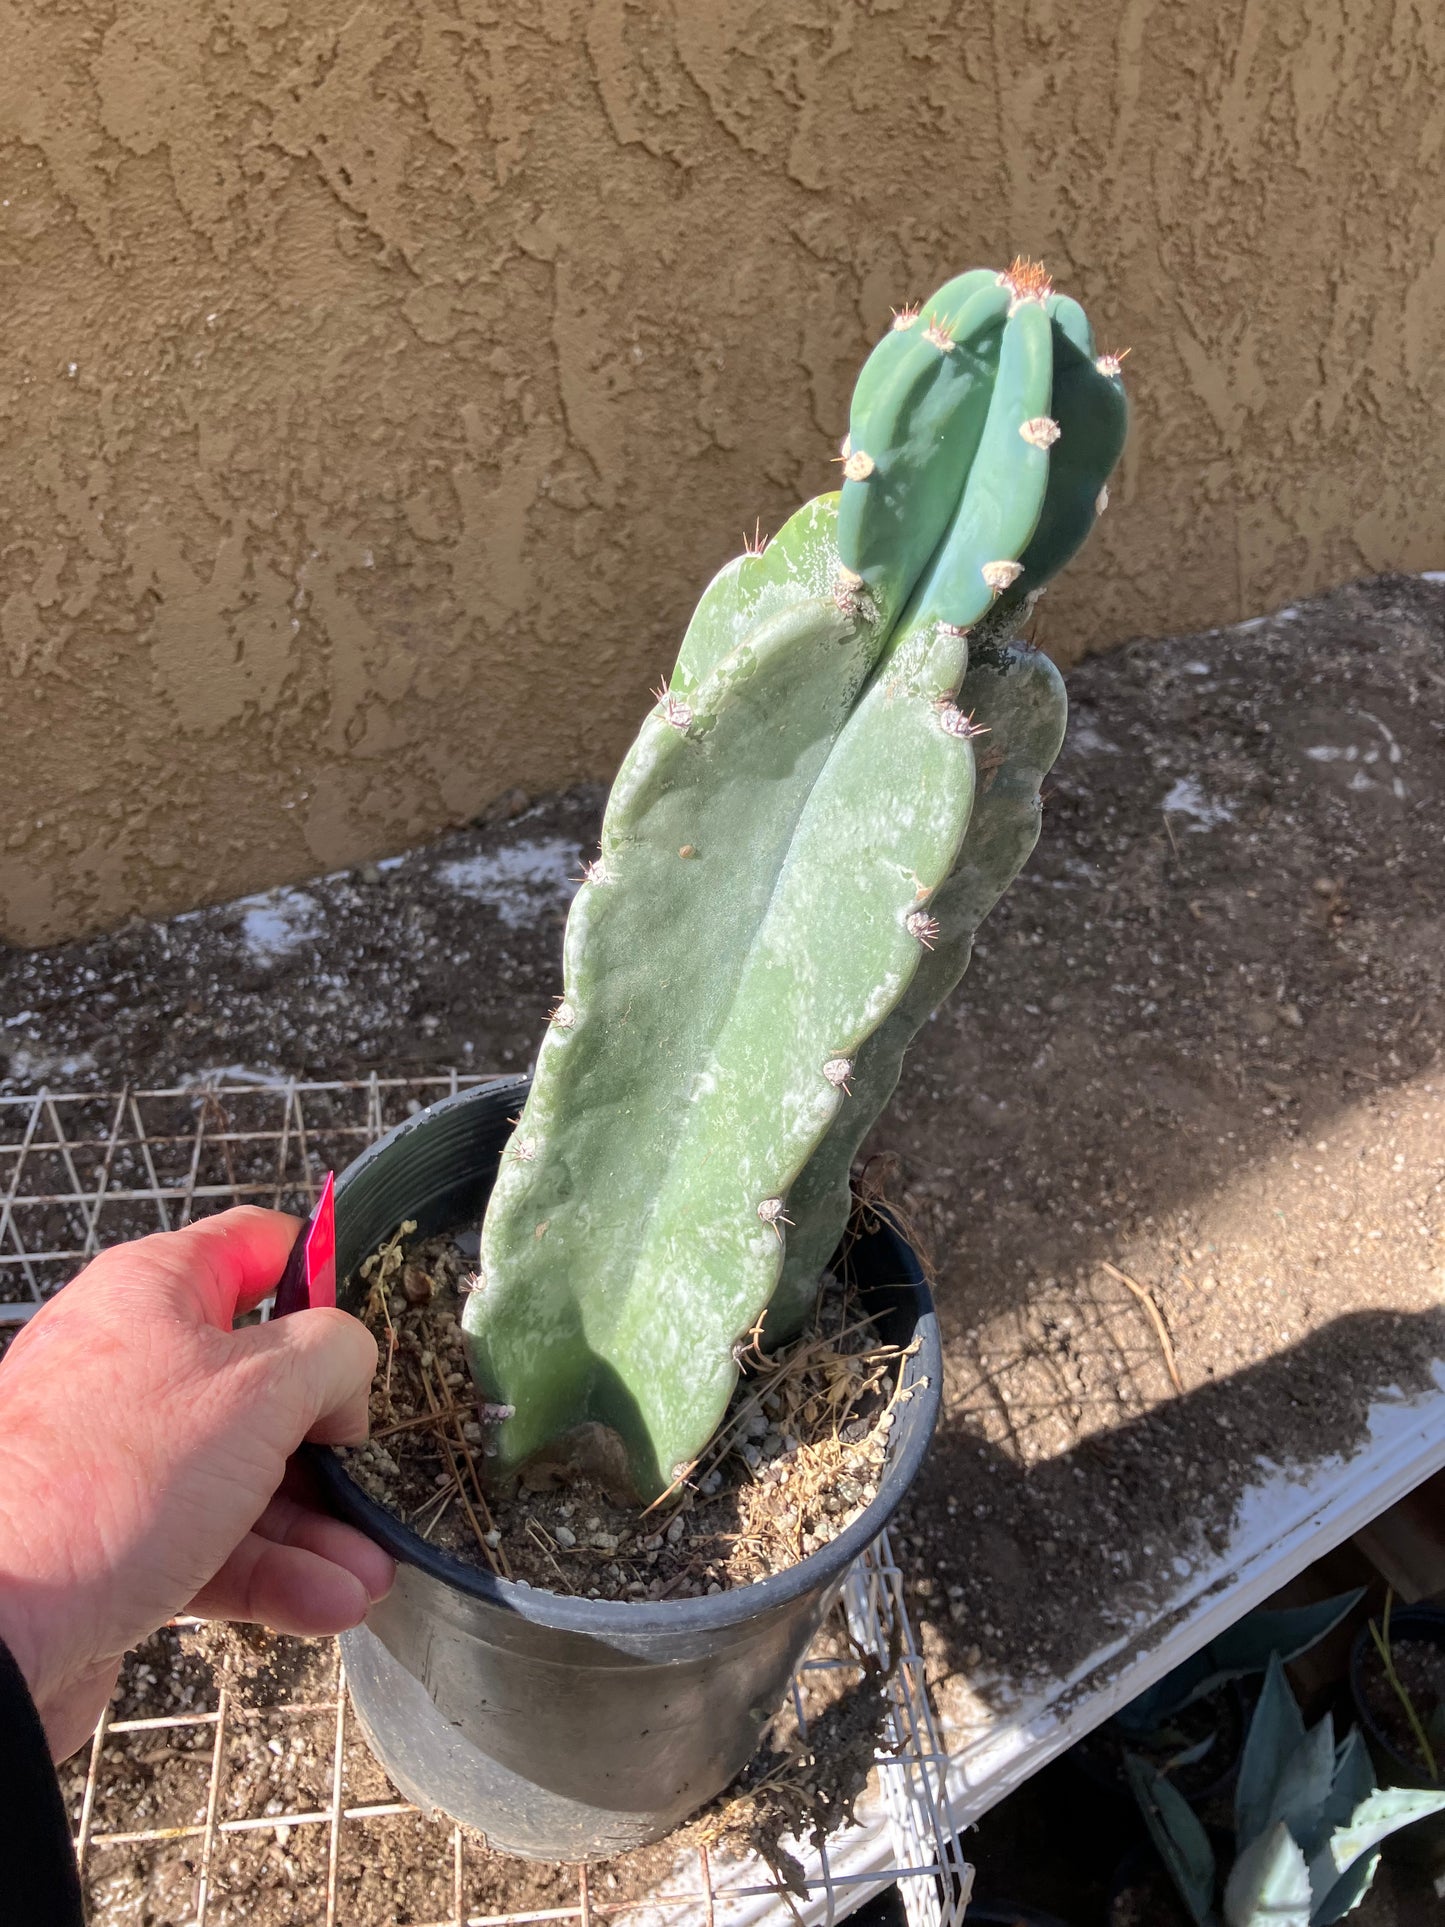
x=836, y=784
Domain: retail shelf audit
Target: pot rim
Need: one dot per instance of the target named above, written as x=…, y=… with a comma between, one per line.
x=565, y=1612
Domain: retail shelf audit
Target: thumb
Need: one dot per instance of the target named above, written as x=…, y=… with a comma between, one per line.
x=208, y=1271
x=321, y=1365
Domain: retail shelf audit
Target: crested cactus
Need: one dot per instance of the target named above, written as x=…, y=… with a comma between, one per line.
x=796, y=852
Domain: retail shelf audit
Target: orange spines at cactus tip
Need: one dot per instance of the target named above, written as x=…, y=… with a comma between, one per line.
x=1026, y=280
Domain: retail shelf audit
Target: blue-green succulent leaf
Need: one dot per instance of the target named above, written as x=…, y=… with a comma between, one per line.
x=1182, y=1843
x=1269, y=1884
x=1274, y=1734
x=1244, y=1649
x=1378, y=1816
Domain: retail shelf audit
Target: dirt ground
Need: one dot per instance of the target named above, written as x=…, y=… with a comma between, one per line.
x=276, y=1769
x=1200, y=1046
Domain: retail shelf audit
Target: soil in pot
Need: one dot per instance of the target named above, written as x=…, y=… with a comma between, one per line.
x=1419, y=1666
x=797, y=1458
x=1416, y=1636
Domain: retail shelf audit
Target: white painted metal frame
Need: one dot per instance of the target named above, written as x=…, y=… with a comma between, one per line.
x=1289, y=1518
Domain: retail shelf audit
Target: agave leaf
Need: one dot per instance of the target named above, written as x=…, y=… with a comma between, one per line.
x=1191, y=1755
x=1353, y=1782
x=1245, y=1648
x=1304, y=1786
x=1182, y=1843
x=1275, y=1734
x=1269, y=1884
x=1378, y=1815
x=1159, y=1703
x=1347, y=1892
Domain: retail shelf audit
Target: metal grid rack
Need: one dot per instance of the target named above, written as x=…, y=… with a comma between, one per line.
x=82, y=1170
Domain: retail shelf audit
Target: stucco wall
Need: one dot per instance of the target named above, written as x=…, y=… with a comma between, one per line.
x=379, y=383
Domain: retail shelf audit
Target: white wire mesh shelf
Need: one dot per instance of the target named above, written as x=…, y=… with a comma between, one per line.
x=83, y=1170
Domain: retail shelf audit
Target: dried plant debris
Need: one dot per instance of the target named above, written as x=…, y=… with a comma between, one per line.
x=805, y=1784
x=797, y=1458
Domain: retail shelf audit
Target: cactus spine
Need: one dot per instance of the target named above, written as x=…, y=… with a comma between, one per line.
x=785, y=884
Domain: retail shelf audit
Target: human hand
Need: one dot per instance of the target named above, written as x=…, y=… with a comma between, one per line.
x=143, y=1461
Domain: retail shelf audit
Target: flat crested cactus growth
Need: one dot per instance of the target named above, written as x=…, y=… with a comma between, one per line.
x=796, y=853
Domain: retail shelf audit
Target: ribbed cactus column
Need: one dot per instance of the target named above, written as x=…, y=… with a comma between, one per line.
x=775, y=869
x=1016, y=696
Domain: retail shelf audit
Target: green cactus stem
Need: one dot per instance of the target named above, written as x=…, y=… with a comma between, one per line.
x=1015, y=697
x=774, y=876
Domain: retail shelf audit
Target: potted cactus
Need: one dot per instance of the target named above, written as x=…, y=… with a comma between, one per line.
x=1397, y=1683
x=834, y=787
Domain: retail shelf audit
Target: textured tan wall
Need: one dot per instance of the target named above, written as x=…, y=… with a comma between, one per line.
x=379, y=383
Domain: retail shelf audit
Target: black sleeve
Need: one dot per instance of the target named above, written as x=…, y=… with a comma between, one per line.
x=39, y=1885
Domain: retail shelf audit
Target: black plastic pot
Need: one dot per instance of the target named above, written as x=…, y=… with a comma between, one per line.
x=1099, y=1756
x=1422, y=1845
x=566, y=1728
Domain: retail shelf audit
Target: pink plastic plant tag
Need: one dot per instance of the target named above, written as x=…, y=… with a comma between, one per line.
x=309, y=1279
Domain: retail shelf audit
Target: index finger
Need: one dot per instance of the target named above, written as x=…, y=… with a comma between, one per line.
x=220, y=1266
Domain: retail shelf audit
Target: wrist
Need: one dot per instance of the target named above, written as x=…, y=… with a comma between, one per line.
x=23, y=1617
x=69, y=1690
x=18, y=1627
x=39, y=1597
